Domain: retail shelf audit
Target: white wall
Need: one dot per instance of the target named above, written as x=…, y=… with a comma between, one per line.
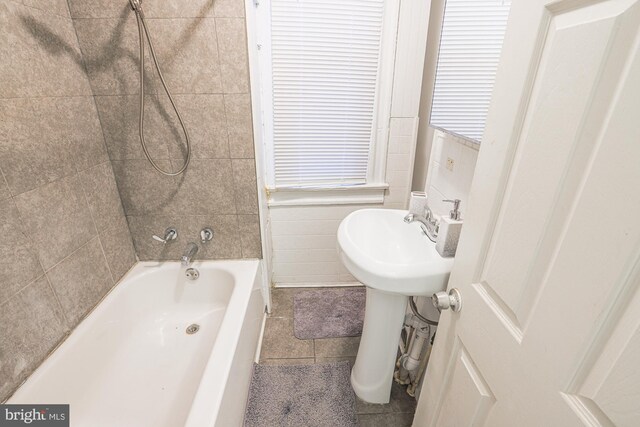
x=451, y=166
x=425, y=132
x=400, y=156
x=304, y=244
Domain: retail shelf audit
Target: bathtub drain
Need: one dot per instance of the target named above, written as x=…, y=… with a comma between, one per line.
x=193, y=328
x=192, y=273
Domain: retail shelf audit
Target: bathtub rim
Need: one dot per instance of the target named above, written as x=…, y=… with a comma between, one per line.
x=206, y=405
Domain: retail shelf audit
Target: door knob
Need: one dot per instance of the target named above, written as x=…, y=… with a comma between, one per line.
x=444, y=301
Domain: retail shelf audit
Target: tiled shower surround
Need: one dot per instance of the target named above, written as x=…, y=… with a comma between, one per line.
x=201, y=47
x=68, y=121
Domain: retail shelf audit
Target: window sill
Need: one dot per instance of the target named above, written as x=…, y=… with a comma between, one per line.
x=305, y=196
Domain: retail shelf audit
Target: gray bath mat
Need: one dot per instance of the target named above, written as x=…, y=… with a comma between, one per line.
x=328, y=313
x=301, y=395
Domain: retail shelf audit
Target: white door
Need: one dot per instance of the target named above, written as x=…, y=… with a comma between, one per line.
x=549, y=262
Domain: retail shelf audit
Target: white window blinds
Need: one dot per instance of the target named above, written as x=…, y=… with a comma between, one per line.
x=470, y=44
x=325, y=56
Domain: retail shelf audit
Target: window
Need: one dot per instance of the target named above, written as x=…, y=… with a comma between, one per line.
x=470, y=44
x=320, y=95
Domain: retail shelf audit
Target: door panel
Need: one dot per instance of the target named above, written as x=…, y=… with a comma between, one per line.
x=549, y=261
x=466, y=383
x=551, y=130
x=612, y=385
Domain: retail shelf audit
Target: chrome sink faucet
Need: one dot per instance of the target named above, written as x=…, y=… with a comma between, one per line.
x=189, y=253
x=429, y=223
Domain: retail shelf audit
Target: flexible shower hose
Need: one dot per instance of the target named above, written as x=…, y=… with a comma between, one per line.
x=142, y=25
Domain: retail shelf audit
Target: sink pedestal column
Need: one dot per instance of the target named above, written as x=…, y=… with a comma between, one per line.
x=372, y=374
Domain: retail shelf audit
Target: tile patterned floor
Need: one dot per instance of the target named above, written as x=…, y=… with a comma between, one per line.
x=280, y=347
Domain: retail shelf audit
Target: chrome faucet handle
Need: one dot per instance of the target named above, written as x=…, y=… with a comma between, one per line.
x=427, y=213
x=206, y=234
x=455, y=213
x=169, y=235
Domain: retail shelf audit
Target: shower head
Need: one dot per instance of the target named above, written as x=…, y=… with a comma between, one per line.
x=135, y=4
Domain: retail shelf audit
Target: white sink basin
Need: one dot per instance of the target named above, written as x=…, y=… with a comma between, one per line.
x=385, y=253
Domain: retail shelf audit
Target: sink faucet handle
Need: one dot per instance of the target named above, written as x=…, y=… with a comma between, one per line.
x=169, y=234
x=455, y=213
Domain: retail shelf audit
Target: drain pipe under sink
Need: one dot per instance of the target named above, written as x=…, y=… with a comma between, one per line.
x=412, y=362
x=411, y=390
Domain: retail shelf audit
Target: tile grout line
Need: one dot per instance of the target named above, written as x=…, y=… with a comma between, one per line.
x=43, y=11
x=95, y=226
x=50, y=96
x=238, y=233
x=57, y=298
x=6, y=183
x=157, y=18
x=16, y=293
x=112, y=95
x=71, y=254
x=104, y=255
x=25, y=97
x=69, y=175
x=226, y=113
x=89, y=81
x=106, y=149
x=236, y=191
x=55, y=294
x=32, y=247
x=39, y=258
x=222, y=85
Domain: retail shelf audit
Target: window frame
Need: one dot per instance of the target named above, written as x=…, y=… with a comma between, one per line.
x=372, y=192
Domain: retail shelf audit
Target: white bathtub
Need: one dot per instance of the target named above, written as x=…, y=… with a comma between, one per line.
x=130, y=363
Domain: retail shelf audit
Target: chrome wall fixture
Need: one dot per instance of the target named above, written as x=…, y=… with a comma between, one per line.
x=206, y=234
x=136, y=5
x=190, y=251
x=170, y=234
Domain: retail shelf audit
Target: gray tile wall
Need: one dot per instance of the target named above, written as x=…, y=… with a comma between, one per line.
x=201, y=46
x=65, y=240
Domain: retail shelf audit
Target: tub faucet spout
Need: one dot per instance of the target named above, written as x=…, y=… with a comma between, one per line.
x=189, y=253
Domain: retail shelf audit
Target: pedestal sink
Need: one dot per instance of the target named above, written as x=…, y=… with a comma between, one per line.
x=394, y=260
